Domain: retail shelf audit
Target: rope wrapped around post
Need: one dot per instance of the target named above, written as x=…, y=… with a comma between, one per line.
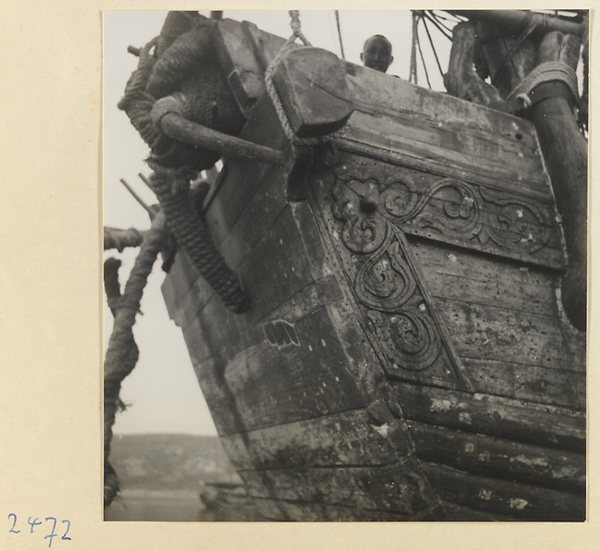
x=122, y=352
x=172, y=189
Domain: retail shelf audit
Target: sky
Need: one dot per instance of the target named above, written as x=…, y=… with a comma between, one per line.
x=162, y=391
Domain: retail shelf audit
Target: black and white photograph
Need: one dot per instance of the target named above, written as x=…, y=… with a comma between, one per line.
x=345, y=265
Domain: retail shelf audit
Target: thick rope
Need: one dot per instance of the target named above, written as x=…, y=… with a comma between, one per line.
x=122, y=352
x=115, y=238
x=279, y=109
x=172, y=188
x=137, y=103
x=545, y=72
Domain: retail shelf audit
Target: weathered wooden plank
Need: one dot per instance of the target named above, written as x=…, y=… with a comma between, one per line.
x=458, y=274
x=315, y=379
x=378, y=91
x=522, y=501
x=496, y=333
x=495, y=416
x=221, y=402
x=177, y=284
x=311, y=86
x=281, y=510
x=398, y=488
x=526, y=382
x=312, y=381
x=241, y=179
x=500, y=458
x=238, y=60
x=277, y=268
x=346, y=438
x=447, y=145
x=210, y=329
x=268, y=273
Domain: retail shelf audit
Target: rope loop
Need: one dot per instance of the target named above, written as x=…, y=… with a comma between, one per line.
x=297, y=27
x=546, y=72
x=270, y=87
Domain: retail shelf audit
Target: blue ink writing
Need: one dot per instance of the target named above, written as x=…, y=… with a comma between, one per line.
x=35, y=521
x=52, y=534
x=67, y=531
x=12, y=530
x=33, y=524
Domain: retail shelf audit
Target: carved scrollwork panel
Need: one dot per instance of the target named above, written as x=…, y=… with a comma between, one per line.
x=398, y=313
x=384, y=282
x=408, y=340
x=360, y=233
x=445, y=209
x=516, y=223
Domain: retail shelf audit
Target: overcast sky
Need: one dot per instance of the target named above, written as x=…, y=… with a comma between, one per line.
x=162, y=390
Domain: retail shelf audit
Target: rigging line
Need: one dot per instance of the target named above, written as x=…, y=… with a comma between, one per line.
x=440, y=27
x=433, y=48
x=445, y=30
x=453, y=18
x=413, y=51
x=339, y=28
x=423, y=60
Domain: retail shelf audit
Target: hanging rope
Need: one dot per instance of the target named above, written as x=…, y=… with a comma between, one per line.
x=297, y=28
x=413, y=49
x=270, y=87
x=433, y=48
x=122, y=352
x=172, y=188
x=423, y=63
x=339, y=29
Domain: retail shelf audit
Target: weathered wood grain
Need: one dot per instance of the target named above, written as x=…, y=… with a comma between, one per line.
x=242, y=179
x=526, y=382
x=395, y=488
x=314, y=379
x=239, y=63
x=487, y=281
x=490, y=333
x=269, y=274
x=495, y=416
x=311, y=86
x=500, y=458
x=521, y=501
x=439, y=147
x=377, y=92
x=343, y=439
x=281, y=510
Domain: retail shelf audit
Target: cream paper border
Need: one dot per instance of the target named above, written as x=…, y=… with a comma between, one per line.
x=51, y=300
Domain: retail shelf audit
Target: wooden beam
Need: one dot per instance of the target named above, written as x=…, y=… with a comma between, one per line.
x=545, y=23
x=183, y=130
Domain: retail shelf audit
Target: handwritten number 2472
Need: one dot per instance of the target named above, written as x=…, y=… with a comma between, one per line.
x=37, y=522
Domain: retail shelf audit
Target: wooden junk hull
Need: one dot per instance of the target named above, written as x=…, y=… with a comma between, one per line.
x=405, y=356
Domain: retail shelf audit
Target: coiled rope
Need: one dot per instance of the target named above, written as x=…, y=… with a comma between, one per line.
x=545, y=72
x=172, y=188
x=175, y=163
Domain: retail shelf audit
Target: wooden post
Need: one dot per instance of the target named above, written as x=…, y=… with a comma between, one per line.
x=565, y=152
x=563, y=146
